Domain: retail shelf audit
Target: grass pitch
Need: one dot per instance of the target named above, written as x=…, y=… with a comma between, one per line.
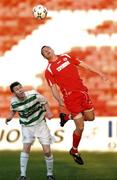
x=98, y=166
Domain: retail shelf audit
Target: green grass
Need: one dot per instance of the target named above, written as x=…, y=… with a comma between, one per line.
x=98, y=166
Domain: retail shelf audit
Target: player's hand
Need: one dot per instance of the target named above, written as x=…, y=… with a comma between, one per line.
x=61, y=103
x=7, y=120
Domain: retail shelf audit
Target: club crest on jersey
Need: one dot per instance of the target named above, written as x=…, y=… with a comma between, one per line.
x=62, y=66
x=65, y=59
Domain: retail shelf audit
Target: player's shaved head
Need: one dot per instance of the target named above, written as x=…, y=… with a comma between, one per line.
x=45, y=46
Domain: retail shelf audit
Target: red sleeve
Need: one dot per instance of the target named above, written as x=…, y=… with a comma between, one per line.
x=50, y=78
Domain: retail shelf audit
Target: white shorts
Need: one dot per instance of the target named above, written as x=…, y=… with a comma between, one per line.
x=40, y=131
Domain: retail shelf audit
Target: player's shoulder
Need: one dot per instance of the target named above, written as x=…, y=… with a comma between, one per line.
x=48, y=69
x=14, y=100
x=65, y=55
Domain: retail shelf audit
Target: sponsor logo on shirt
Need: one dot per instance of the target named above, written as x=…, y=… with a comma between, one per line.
x=62, y=66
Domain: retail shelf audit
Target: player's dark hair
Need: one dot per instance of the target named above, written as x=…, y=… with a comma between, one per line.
x=13, y=85
x=42, y=49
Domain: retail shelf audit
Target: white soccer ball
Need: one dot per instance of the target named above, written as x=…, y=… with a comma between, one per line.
x=39, y=12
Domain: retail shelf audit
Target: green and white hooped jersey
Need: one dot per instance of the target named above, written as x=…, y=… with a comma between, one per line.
x=31, y=110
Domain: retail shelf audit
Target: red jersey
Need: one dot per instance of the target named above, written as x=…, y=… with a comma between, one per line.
x=64, y=73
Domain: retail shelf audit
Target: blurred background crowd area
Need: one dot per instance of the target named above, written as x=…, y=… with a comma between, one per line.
x=16, y=22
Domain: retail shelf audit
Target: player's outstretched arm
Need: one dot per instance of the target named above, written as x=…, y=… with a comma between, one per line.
x=90, y=68
x=10, y=116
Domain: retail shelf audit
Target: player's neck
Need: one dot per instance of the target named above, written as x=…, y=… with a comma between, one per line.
x=54, y=58
x=22, y=98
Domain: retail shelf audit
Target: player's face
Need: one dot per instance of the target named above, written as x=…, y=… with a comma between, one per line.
x=48, y=52
x=19, y=92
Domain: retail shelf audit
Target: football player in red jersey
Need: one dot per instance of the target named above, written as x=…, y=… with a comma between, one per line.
x=62, y=71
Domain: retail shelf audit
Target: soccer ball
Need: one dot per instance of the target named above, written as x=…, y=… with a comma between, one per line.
x=39, y=12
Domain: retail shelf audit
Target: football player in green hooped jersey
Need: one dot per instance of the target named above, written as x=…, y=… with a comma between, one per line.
x=32, y=108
